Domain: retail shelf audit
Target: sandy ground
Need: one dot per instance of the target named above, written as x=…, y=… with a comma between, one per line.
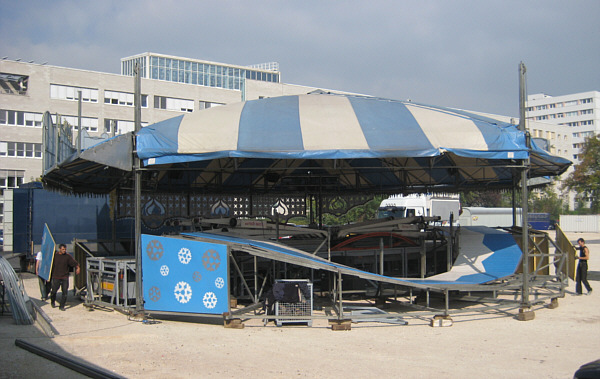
x=495, y=345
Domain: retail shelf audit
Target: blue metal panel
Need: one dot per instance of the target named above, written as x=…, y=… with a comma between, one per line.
x=181, y=275
x=48, y=249
x=506, y=257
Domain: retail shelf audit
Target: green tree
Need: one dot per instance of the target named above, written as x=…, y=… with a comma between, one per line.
x=491, y=199
x=546, y=201
x=585, y=179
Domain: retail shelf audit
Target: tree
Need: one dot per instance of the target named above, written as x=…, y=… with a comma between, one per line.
x=585, y=179
x=491, y=199
x=546, y=201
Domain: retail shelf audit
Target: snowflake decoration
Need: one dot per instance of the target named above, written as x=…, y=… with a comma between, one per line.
x=164, y=270
x=185, y=255
x=211, y=260
x=183, y=292
x=155, y=250
x=219, y=282
x=209, y=300
x=197, y=276
x=154, y=293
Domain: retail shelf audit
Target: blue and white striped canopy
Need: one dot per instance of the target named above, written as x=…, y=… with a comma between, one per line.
x=316, y=142
x=326, y=126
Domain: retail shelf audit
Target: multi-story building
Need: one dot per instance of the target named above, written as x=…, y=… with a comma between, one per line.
x=564, y=121
x=170, y=86
x=578, y=116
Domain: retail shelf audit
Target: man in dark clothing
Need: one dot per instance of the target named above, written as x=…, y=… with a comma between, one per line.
x=60, y=275
x=582, y=268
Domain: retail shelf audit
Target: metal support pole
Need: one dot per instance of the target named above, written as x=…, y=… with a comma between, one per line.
x=514, y=202
x=381, y=256
x=341, y=305
x=449, y=244
x=423, y=257
x=139, y=305
x=79, y=127
x=524, y=222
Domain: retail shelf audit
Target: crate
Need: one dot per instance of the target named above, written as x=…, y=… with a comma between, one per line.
x=302, y=308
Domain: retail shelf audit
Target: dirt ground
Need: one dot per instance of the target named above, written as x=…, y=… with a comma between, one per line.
x=495, y=344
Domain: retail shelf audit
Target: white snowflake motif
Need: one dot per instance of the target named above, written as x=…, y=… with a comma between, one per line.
x=209, y=300
x=183, y=292
x=185, y=255
x=219, y=282
x=164, y=270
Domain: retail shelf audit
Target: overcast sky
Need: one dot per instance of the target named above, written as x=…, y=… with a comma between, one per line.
x=462, y=54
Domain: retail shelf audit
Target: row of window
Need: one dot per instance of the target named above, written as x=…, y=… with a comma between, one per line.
x=123, y=99
x=88, y=95
x=119, y=126
x=128, y=67
x=172, y=104
x=583, y=135
x=565, y=114
x=537, y=133
x=579, y=123
x=19, y=118
x=560, y=104
x=20, y=149
x=204, y=74
x=11, y=178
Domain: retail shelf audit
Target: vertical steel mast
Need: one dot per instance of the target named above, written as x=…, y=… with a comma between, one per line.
x=525, y=312
x=137, y=97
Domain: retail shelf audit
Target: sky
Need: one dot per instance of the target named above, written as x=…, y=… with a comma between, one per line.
x=462, y=54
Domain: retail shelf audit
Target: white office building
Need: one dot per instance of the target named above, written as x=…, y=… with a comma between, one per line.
x=578, y=116
x=564, y=121
x=170, y=86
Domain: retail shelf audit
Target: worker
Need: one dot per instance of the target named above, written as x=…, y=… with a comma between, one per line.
x=60, y=275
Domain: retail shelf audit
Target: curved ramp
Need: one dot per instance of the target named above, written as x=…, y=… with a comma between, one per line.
x=486, y=254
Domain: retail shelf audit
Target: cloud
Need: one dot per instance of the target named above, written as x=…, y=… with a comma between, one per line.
x=461, y=53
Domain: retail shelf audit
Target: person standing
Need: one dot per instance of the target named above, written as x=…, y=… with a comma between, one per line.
x=45, y=285
x=60, y=275
x=582, y=268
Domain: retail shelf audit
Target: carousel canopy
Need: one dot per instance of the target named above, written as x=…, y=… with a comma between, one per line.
x=314, y=142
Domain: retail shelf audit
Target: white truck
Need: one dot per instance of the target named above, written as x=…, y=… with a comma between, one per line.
x=427, y=205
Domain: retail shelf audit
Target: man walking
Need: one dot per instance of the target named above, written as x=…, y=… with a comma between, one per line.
x=582, y=268
x=60, y=275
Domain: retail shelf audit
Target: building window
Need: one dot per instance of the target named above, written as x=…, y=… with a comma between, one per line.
x=88, y=123
x=120, y=126
x=20, y=149
x=88, y=95
x=207, y=104
x=586, y=101
x=13, y=84
x=173, y=104
x=587, y=111
x=10, y=179
x=123, y=98
x=19, y=118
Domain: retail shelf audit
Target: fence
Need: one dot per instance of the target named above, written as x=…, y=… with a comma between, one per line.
x=580, y=223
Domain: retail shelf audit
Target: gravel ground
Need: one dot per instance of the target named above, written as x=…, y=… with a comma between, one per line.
x=494, y=345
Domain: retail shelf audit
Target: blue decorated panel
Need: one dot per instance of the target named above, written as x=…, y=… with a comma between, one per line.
x=48, y=249
x=181, y=275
